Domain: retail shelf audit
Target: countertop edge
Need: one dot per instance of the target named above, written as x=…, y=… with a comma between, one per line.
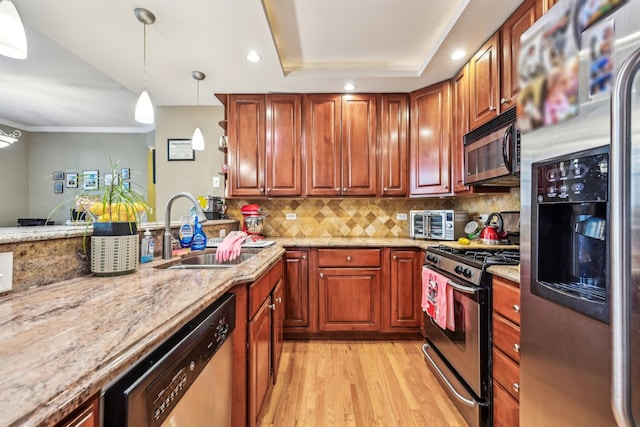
x=509, y=272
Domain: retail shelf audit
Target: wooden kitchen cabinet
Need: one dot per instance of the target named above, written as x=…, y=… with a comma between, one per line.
x=405, y=289
x=277, y=331
x=430, y=123
x=340, y=145
x=506, y=352
x=349, y=290
x=484, y=83
x=296, y=313
x=459, y=128
x=547, y=4
x=520, y=21
x=394, y=145
x=87, y=415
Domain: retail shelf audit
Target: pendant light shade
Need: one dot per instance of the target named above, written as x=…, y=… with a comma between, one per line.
x=197, y=141
x=13, y=40
x=144, y=107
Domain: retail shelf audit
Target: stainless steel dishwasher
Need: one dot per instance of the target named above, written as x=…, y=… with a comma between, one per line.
x=184, y=382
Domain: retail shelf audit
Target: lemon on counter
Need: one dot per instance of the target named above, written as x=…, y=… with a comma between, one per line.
x=464, y=241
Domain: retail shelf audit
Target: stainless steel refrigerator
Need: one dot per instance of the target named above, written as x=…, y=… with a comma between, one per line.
x=580, y=220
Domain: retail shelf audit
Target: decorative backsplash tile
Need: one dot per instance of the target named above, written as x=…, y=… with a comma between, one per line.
x=372, y=217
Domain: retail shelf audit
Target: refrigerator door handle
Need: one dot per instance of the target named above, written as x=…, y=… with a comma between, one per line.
x=620, y=248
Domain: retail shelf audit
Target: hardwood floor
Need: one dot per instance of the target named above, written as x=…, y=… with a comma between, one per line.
x=357, y=383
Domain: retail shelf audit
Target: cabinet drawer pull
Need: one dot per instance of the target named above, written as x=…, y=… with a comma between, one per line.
x=321, y=274
x=348, y=258
x=516, y=348
x=279, y=300
x=272, y=306
x=516, y=387
x=516, y=308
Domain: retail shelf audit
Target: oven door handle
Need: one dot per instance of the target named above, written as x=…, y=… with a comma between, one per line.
x=460, y=397
x=461, y=288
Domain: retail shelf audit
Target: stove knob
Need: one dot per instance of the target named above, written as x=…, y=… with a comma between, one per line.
x=429, y=257
x=467, y=272
x=458, y=269
x=432, y=258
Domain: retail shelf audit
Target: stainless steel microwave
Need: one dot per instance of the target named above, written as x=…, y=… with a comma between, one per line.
x=445, y=224
x=492, y=152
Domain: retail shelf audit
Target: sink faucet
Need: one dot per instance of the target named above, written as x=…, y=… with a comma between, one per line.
x=166, y=239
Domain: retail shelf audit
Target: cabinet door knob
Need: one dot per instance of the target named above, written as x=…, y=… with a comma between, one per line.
x=279, y=300
x=516, y=348
x=344, y=189
x=304, y=257
x=338, y=189
x=321, y=274
x=492, y=108
x=385, y=189
x=272, y=306
x=395, y=257
x=504, y=101
x=261, y=189
x=516, y=387
x=516, y=308
x=348, y=258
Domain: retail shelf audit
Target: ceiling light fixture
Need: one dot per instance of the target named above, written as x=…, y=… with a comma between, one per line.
x=458, y=54
x=197, y=141
x=253, y=56
x=6, y=139
x=13, y=41
x=349, y=87
x=144, y=107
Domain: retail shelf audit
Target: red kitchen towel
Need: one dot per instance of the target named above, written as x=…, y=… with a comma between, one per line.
x=451, y=315
x=428, y=294
x=434, y=296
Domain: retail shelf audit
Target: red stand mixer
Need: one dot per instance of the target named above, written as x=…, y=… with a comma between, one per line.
x=253, y=223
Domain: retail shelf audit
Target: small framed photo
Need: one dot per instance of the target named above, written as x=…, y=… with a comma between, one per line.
x=57, y=187
x=125, y=173
x=126, y=185
x=180, y=149
x=58, y=176
x=72, y=180
x=110, y=179
x=90, y=180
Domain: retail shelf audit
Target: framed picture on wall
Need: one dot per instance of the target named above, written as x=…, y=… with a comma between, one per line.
x=125, y=173
x=57, y=187
x=72, y=180
x=58, y=176
x=180, y=149
x=90, y=180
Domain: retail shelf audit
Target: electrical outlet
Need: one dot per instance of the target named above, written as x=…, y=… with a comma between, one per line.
x=216, y=181
x=291, y=215
x=401, y=217
x=6, y=271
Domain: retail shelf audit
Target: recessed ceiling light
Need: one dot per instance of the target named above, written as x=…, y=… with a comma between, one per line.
x=349, y=86
x=253, y=56
x=458, y=54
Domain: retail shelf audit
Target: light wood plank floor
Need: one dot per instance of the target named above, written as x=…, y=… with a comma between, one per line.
x=357, y=383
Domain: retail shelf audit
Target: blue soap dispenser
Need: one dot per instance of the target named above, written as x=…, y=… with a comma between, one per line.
x=199, y=240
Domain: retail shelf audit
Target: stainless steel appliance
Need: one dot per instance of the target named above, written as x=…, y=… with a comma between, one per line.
x=185, y=382
x=459, y=354
x=579, y=368
x=445, y=224
x=492, y=152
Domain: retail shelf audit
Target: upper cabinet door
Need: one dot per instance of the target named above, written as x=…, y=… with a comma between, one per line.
x=246, y=150
x=459, y=127
x=519, y=22
x=394, y=128
x=322, y=144
x=484, y=84
x=430, y=141
x=359, y=156
x=283, y=146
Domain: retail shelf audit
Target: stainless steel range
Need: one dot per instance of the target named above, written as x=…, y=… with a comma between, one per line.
x=457, y=324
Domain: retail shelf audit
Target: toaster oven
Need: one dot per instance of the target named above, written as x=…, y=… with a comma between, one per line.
x=444, y=224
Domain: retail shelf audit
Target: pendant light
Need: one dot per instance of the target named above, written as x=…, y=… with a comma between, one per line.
x=144, y=107
x=13, y=41
x=197, y=141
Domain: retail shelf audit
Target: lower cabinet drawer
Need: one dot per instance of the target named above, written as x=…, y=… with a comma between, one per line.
x=506, y=337
x=506, y=373
x=349, y=257
x=505, y=408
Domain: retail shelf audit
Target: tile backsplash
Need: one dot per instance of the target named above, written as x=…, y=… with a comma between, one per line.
x=371, y=217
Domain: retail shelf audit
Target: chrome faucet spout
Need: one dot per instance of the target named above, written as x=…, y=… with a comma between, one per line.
x=166, y=238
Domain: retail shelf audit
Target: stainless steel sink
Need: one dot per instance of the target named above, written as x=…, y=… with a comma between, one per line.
x=208, y=260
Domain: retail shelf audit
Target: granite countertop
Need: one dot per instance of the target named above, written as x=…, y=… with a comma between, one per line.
x=61, y=343
x=509, y=272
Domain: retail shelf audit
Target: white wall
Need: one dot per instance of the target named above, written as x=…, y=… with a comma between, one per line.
x=194, y=177
x=14, y=180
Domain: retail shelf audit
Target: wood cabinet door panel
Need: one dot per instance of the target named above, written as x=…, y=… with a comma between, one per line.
x=484, y=83
x=349, y=299
x=405, y=288
x=430, y=140
x=506, y=373
x=278, y=300
x=506, y=410
x=460, y=127
x=506, y=299
x=259, y=360
x=322, y=144
x=394, y=127
x=506, y=337
x=87, y=415
x=297, y=289
x=359, y=156
x=246, y=145
x=520, y=21
x=283, y=145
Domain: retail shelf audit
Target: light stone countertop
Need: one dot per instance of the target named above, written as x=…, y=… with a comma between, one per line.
x=509, y=272
x=61, y=343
